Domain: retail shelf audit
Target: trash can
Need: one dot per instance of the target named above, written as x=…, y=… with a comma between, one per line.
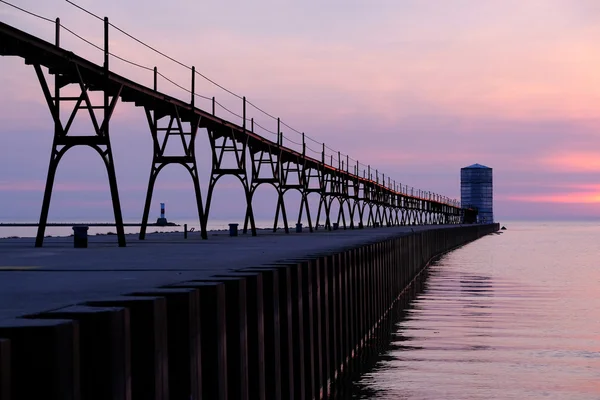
x=298, y=228
x=80, y=237
x=233, y=229
x=335, y=226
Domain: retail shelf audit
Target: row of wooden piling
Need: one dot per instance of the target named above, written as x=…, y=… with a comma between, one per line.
x=284, y=331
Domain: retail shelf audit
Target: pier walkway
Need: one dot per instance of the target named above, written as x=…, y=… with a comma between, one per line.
x=59, y=275
x=271, y=317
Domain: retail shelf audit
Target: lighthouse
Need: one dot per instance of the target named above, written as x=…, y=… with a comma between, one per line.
x=162, y=220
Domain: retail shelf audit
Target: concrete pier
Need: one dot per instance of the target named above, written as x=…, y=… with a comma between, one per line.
x=268, y=317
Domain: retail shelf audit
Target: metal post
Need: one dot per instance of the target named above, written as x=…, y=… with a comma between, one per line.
x=213, y=105
x=155, y=79
x=369, y=173
x=339, y=160
x=303, y=145
x=252, y=125
x=193, y=85
x=106, y=44
x=57, y=31
x=244, y=114
x=323, y=155
x=57, y=126
x=278, y=129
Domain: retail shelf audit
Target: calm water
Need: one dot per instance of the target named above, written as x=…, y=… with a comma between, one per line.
x=511, y=316
x=67, y=230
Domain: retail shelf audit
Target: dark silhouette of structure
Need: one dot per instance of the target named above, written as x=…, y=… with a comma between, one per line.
x=365, y=200
x=477, y=192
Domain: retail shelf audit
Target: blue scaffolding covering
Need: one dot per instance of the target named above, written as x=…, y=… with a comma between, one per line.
x=477, y=190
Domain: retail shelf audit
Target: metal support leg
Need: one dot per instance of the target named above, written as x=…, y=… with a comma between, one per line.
x=114, y=193
x=147, y=203
x=99, y=141
x=303, y=205
x=54, y=160
x=174, y=127
x=280, y=206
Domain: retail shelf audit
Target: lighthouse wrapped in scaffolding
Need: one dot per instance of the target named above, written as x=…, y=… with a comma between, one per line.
x=476, y=190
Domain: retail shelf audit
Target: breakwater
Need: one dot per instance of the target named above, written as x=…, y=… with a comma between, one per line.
x=282, y=330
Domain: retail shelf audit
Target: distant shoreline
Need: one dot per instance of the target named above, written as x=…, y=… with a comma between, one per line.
x=29, y=232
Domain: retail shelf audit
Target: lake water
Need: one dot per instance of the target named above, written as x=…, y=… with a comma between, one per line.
x=11, y=231
x=510, y=316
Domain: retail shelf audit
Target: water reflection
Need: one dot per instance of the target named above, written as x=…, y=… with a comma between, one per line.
x=514, y=316
x=387, y=341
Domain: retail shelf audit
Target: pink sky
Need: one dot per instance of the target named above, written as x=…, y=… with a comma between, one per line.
x=418, y=89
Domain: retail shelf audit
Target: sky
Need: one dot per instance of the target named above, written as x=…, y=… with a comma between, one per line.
x=415, y=88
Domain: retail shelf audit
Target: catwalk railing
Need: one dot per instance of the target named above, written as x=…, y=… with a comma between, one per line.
x=365, y=196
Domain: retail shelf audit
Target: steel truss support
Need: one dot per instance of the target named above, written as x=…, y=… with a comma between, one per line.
x=229, y=148
x=396, y=216
x=163, y=126
x=341, y=214
x=353, y=191
x=359, y=202
x=261, y=160
x=334, y=188
x=357, y=207
x=292, y=176
x=282, y=175
x=323, y=205
x=304, y=206
x=310, y=175
x=346, y=192
x=389, y=216
x=385, y=221
x=269, y=167
x=328, y=189
x=351, y=203
x=366, y=206
x=99, y=140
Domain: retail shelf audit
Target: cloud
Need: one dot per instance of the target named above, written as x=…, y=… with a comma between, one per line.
x=38, y=186
x=582, y=161
x=560, y=193
x=571, y=198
